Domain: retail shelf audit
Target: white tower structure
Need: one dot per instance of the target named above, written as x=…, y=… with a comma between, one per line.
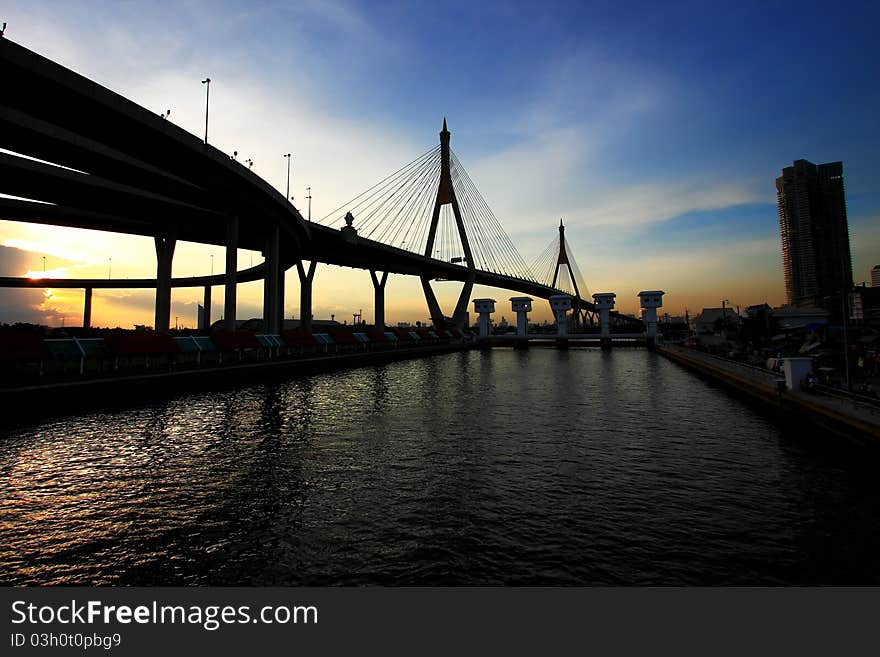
x=560, y=304
x=522, y=306
x=651, y=300
x=604, y=301
x=485, y=308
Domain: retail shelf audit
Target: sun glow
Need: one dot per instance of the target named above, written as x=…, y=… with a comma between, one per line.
x=60, y=272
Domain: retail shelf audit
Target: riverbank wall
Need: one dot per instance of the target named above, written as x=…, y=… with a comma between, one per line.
x=844, y=417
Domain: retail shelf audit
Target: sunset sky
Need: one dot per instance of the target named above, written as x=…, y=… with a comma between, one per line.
x=654, y=130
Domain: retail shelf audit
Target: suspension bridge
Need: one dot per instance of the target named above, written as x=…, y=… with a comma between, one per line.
x=77, y=154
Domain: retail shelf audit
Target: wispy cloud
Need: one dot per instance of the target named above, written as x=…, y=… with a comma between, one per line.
x=632, y=206
x=571, y=121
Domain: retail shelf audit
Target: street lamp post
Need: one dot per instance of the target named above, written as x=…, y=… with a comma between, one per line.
x=207, y=83
x=309, y=196
x=44, y=264
x=212, y=264
x=287, y=194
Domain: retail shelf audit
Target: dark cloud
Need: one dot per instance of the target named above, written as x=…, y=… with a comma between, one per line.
x=30, y=306
x=127, y=299
x=22, y=305
x=16, y=262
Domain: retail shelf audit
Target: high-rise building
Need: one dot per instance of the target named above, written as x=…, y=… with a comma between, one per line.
x=814, y=232
x=875, y=276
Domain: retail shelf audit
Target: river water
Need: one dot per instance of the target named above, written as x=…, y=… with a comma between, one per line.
x=540, y=467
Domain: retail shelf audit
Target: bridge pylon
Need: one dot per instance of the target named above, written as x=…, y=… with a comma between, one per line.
x=563, y=260
x=446, y=196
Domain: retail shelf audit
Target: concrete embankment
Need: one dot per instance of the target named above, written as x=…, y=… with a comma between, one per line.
x=76, y=394
x=844, y=417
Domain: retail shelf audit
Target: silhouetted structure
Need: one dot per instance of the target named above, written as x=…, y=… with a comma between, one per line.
x=78, y=155
x=814, y=233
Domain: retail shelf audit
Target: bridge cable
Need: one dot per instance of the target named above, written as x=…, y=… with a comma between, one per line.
x=500, y=243
x=497, y=239
x=336, y=215
x=391, y=225
x=542, y=265
x=384, y=215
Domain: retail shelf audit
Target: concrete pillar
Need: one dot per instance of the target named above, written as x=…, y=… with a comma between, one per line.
x=379, y=298
x=522, y=306
x=650, y=300
x=437, y=317
x=164, y=257
x=87, y=309
x=604, y=301
x=280, y=297
x=206, y=309
x=230, y=299
x=305, y=293
x=485, y=308
x=271, y=288
x=561, y=304
x=305, y=305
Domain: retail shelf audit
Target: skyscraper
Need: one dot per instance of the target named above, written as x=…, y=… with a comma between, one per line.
x=814, y=232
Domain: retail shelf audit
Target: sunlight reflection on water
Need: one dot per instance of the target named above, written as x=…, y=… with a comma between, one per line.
x=537, y=467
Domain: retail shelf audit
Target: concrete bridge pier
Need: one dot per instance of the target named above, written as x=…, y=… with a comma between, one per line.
x=280, y=296
x=605, y=303
x=206, y=309
x=230, y=298
x=560, y=304
x=87, y=309
x=437, y=317
x=164, y=257
x=379, y=298
x=485, y=308
x=650, y=300
x=459, y=315
x=273, y=284
x=305, y=293
x=522, y=306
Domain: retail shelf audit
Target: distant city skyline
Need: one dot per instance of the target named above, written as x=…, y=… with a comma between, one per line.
x=656, y=143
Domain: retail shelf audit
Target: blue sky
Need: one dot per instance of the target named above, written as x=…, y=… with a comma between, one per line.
x=654, y=129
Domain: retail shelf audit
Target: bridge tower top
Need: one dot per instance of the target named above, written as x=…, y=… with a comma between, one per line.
x=563, y=252
x=444, y=194
x=563, y=261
